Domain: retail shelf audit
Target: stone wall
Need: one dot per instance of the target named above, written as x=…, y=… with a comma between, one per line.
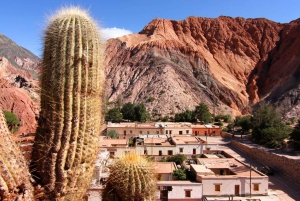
x=288, y=168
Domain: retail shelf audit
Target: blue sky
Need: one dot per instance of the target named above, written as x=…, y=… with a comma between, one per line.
x=23, y=21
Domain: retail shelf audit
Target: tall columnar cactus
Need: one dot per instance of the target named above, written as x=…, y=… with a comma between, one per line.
x=14, y=173
x=131, y=177
x=69, y=125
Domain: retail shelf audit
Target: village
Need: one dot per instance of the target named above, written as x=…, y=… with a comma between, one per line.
x=214, y=173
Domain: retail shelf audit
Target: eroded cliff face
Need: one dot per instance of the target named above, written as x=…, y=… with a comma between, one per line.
x=19, y=94
x=228, y=63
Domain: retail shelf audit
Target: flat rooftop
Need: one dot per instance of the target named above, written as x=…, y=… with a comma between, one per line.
x=187, y=140
x=157, y=141
x=178, y=183
x=234, y=165
x=113, y=142
x=164, y=167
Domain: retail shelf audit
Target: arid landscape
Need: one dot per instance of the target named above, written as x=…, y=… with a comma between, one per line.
x=196, y=109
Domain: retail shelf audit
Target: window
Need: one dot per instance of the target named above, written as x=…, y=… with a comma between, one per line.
x=141, y=132
x=148, y=132
x=180, y=150
x=170, y=132
x=218, y=187
x=166, y=131
x=256, y=187
x=180, y=132
x=130, y=131
x=170, y=152
x=111, y=154
x=187, y=193
x=187, y=131
x=157, y=132
x=160, y=152
x=194, y=151
x=125, y=133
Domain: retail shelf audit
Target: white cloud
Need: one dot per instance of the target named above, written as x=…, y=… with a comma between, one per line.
x=108, y=33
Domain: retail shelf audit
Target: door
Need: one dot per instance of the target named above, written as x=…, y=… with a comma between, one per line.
x=237, y=190
x=164, y=195
x=194, y=151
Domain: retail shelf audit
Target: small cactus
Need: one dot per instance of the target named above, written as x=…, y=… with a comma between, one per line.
x=14, y=173
x=72, y=78
x=131, y=178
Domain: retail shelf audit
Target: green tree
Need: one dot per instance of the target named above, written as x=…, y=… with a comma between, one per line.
x=202, y=113
x=165, y=118
x=268, y=128
x=113, y=134
x=186, y=116
x=295, y=135
x=141, y=113
x=245, y=122
x=178, y=159
x=128, y=111
x=179, y=174
x=12, y=121
x=113, y=115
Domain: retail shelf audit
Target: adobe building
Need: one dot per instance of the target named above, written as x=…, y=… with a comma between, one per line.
x=206, y=130
x=164, y=170
x=228, y=176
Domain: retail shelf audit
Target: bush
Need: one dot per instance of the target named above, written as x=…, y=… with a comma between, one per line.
x=178, y=159
x=179, y=174
x=12, y=121
x=113, y=134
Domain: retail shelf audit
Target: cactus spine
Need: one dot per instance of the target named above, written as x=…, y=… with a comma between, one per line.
x=131, y=177
x=69, y=126
x=14, y=177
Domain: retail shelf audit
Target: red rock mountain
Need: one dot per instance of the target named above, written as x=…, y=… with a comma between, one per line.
x=18, y=94
x=228, y=63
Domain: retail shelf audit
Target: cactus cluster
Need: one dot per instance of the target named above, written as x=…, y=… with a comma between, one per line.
x=14, y=173
x=132, y=177
x=72, y=79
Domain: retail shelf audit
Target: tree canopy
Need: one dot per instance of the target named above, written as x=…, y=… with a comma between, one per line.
x=202, y=113
x=12, y=121
x=114, y=115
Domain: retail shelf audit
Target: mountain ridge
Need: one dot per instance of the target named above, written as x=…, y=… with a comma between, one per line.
x=229, y=56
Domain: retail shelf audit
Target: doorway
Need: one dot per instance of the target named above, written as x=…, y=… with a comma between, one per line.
x=237, y=190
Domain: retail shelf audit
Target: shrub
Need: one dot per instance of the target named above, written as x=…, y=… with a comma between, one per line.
x=12, y=121
x=179, y=174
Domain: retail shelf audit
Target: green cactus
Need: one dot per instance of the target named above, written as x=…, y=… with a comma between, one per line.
x=14, y=173
x=72, y=78
x=132, y=177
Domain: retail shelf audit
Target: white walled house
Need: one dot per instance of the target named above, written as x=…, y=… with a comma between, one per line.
x=228, y=176
x=156, y=147
x=191, y=145
x=179, y=190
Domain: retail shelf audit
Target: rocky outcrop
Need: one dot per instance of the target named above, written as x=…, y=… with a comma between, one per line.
x=19, y=94
x=228, y=63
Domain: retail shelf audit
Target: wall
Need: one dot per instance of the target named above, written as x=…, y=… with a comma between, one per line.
x=179, y=187
x=227, y=185
x=287, y=167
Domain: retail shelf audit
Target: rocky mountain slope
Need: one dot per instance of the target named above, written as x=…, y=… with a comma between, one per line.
x=19, y=88
x=19, y=94
x=19, y=56
x=228, y=63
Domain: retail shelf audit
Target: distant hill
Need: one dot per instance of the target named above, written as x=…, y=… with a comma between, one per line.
x=19, y=56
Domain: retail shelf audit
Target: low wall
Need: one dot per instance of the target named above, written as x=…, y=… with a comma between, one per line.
x=230, y=136
x=286, y=167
